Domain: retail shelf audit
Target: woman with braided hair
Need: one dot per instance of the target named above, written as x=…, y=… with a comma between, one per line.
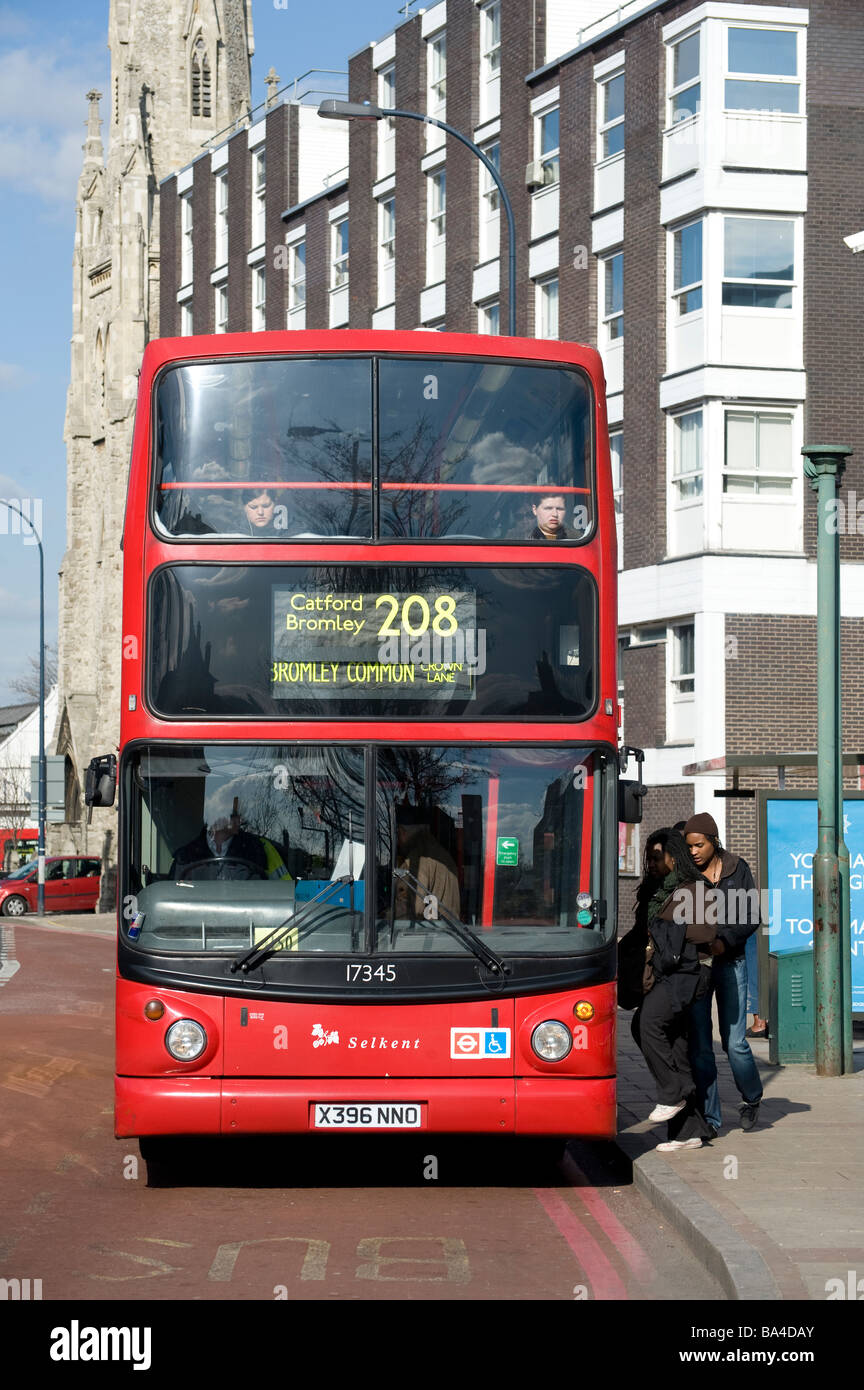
x=677, y=972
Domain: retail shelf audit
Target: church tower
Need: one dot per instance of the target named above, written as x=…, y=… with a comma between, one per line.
x=180, y=74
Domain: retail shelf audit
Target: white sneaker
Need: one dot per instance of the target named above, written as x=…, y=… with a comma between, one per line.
x=675, y=1144
x=666, y=1112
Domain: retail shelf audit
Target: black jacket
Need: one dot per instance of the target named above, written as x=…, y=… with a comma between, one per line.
x=737, y=904
x=681, y=931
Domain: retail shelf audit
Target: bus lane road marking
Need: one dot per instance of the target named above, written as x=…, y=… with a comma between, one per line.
x=626, y=1244
x=9, y=966
x=604, y=1279
x=37, y=1080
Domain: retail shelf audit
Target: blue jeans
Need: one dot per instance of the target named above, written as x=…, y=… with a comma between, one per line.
x=729, y=984
x=752, y=959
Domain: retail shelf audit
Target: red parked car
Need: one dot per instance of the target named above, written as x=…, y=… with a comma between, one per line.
x=71, y=885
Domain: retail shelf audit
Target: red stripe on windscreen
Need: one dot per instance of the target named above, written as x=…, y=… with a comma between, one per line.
x=587, y=826
x=491, y=848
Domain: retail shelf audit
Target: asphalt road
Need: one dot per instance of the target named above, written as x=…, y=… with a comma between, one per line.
x=317, y=1218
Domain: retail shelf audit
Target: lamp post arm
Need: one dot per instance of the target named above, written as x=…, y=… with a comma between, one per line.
x=508, y=210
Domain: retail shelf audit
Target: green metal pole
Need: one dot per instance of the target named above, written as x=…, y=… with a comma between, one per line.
x=824, y=465
x=842, y=847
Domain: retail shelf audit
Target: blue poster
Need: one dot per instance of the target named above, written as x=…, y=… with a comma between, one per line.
x=792, y=832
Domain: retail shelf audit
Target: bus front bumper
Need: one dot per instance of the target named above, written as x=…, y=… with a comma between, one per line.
x=583, y=1107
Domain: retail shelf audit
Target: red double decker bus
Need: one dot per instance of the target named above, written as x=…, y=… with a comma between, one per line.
x=369, y=773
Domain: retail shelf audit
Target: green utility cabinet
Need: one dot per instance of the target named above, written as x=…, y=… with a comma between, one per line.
x=790, y=1007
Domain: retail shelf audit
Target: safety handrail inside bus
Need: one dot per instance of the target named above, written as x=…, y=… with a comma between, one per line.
x=546, y=490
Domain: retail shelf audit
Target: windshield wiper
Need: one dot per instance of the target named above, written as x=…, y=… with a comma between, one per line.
x=464, y=933
x=249, y=959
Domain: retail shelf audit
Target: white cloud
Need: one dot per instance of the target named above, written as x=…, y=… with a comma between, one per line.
x=43, y=119
x=34, y=81
x=41, y=162
x=12, y=377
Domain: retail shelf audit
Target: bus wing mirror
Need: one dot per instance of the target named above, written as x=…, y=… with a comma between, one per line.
x=100, y=784
x=630, y=796
x=631, y=793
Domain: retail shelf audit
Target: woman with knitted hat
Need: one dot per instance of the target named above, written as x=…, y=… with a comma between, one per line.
x=734, y=893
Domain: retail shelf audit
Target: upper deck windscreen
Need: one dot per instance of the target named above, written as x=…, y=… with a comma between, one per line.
x=393, y=448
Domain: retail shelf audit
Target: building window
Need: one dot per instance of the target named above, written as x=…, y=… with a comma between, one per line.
x=687, y=281
x=386, y=251
x=490, y=60
x=546, y=145
x=684, y=659
x=762, y=70
x=186, y=327
x=259, y=193
x=616, y=456
x=436, y=229
x=546, y=308
x=186, y=255
x=221, y=191
x=685, y=93
x=687, y=456
x=339, y=254
x=612, y=268
x=611, y=116
x=201, y=84
x=490, y=207
x=220, y=311
x=387, y=126
x=297, y=275
x=759, y=262
x=259, y=298
x=758, y=459
x=436, y=77
x=489, y=318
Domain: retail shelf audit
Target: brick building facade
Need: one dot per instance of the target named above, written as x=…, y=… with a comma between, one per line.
x=682, y=177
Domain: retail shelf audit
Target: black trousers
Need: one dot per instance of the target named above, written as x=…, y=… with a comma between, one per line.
x=660, y=1028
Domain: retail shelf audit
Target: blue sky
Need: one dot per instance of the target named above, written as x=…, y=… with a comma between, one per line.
x=50, y=55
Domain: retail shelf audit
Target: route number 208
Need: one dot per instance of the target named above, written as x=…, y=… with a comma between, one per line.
x=443, y=622
x=364, y=974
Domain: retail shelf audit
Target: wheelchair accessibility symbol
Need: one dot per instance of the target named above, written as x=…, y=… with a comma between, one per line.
x=479, y=1042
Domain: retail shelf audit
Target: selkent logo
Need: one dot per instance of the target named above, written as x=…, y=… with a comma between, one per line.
x=479, y=1042
x=322, y=1038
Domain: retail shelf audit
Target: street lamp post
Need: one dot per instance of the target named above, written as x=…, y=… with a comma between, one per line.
x=40, y=852
x=364, y=111
x=823, y=466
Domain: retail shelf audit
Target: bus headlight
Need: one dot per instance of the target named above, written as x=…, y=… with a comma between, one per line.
x=551, y=1041
x=185, y=1040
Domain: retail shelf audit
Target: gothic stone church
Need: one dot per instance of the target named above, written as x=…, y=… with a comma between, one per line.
x=180, y=75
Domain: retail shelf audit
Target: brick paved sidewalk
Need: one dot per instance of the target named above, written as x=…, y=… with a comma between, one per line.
x=780, y=1208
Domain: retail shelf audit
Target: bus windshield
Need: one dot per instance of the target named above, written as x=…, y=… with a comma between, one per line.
x=373, y=448
x=224, y=843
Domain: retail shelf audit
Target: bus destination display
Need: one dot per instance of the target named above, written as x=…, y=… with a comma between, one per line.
x=363, y=645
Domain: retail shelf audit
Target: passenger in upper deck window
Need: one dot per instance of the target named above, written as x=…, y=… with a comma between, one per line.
x=549, y=515
x=261, y=514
